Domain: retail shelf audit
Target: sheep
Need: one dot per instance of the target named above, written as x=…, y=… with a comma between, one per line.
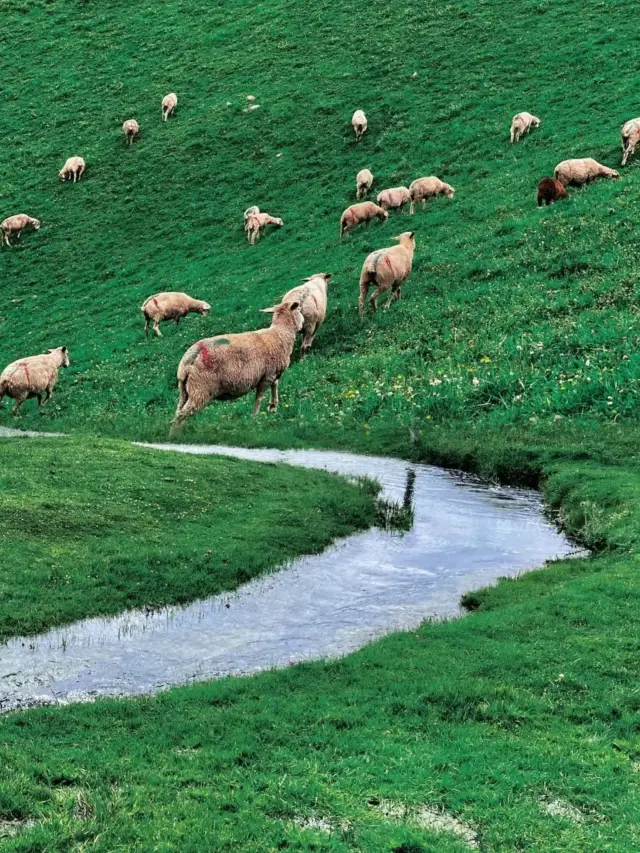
x=34, y=376
x=257, y=222
x=550, y=190
x=630, y=134
x=227, y=367
x=254, y=210
x=387, y=269
x=169, y=104
x=581, y=171
x=73, y=168
x=131, y=130
x=312, y=298
x=15, y=225
x=364, y=211
x=393, y=198
x=422, y=188
x=522, y=123
x=364, y=182
x=359, y=124
x=170, y=306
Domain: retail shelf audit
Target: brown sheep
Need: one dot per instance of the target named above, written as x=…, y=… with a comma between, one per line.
x=13, y=226
x=550, y=190
x=424, y=188
x=630, y=134
x=581, y=171
x=169, y=104
x=34, y=376
x=522, y=123
x=387, y=269
x=356, y=214
x=393, y=198
x=73, y=168
x=256, y=224
x=227, y=367
x=312, y=298
x=131, y=130
x=170, y=306
x=364, y=182
x=359, y=124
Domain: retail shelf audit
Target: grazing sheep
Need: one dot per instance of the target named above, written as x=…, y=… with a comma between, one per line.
x=359, y=124
x=387, y=269
x=630, y=134
x=423, y=188
x=229, y=366
x=521, y=124
x=170, y=306
x=131, y=130
x=581, y=171
x=393, y=198
x=169, y=104
x=355, y=214
x=364, y=182
x=15, y=225
x=254, y=210
x=256, y=224
x=312, y=298
x=34, y=376
x=550, y=190
x=73, y=168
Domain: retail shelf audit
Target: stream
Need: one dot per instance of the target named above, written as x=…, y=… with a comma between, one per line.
x=466, y=534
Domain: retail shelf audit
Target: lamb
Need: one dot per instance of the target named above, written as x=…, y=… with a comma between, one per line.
x=34, y=376
x=73, y=168
x=169, y=104
x=423, y=188
x=312, y=298
x=256, y=224
x=393, y=198
x=355, y=214
x=254, y=210
x=359, y=124
x=170, y=306
x=550, y=190
x=15, y=225
x=227, y=367
x=131, y=130
x=630, y=134
x=387, y=269
x=522, y=123
x=364, y=182
x=581, y=171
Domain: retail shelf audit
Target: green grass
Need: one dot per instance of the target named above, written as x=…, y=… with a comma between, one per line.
x=514, y=354
x=94, y=529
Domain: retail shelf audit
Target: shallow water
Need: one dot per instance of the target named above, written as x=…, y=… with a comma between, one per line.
x=465, y=535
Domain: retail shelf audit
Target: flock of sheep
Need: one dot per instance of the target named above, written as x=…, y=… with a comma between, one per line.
x=227, y=367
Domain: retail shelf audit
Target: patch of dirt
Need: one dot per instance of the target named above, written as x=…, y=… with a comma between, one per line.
x=426, y=817
x=10, y=828
x=561, y=808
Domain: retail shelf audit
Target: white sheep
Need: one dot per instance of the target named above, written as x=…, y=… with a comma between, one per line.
x=254, y=210
x=256, y=224
x=580, y=171
x=387, y=269
x=356, y=214
x=364, y=182
x=393, y=198
x=522, y=123
x=424, y=188
x=73, y=168
x=13, y=226
x=312, y=298
x=169, y=104
x=359, y=124
x=131, y=130
x=227, y=367
x=630, y=134
x=170, y=306
x=34, y=376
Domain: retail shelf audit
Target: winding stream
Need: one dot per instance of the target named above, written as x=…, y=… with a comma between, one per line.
x=466, y=534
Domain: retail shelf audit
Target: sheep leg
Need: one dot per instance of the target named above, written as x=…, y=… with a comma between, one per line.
x=374, y=300
x=47, y=395
x=19, y=401
x=146, y=325
x=156, y=328
x=273, y=405
x=307, y=339
x=261, y=388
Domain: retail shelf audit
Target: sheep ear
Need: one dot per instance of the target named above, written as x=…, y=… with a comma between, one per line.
x=267, y=310
x=64, y=349
x=412, y=234
x=327, y=276
x=294, y=305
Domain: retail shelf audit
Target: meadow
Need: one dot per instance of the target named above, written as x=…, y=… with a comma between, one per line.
x=513, y=354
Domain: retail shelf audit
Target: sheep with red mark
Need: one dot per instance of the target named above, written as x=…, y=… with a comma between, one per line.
x=393, y=198
x=630, y=135
x=256, y=224
x=550, y=190
x=387, y=269
x=356, y=214
x=171, y=306
x=13, y=226
x=227, y=367
x=522, y=123
x=359, y=124
x=364, y=182
x=131, y=130
x=312, y=298
x=423, y=188
x=169, y=104
x=74, y=168
x=34, y=376
x=581, y=171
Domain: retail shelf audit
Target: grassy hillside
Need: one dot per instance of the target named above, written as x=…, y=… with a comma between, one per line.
x=511, y=314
